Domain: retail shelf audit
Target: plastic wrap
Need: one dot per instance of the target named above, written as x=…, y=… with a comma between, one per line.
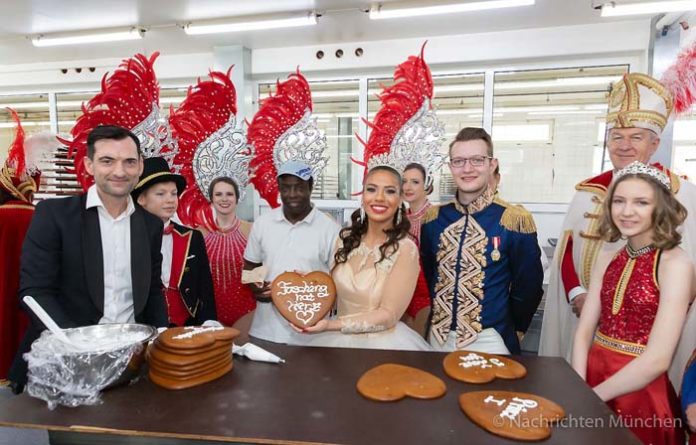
x=65, y=374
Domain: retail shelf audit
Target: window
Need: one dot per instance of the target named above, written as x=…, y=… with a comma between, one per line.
x=684, y=146
x=545, y=130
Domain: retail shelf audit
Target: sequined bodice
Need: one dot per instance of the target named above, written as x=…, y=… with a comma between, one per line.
x=630, y=296
x=416, y=219
x=226, y=256
x=360, y=280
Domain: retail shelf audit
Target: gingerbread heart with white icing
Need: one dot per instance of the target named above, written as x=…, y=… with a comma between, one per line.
x=479, y=367
x=514, y=415
x=303, y=299
x=195, y=339
x=391, y=382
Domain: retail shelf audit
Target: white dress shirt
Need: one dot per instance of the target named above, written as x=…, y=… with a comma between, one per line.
x=281, y=246
x=167, y=252
x=116, y=250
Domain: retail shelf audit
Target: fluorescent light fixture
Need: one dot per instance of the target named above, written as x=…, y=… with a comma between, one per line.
x=388, y=11
x=255, y=23
x=113, y=35
x=611, y=9
x=34, y=124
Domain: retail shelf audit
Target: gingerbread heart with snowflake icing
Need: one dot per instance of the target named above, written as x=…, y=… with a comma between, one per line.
x=303, y=299
x=514, y=415
x=479, y=367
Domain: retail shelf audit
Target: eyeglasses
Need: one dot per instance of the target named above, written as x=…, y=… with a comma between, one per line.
x=475, y=161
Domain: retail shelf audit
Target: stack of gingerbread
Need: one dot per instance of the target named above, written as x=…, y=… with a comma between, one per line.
x=184, y=357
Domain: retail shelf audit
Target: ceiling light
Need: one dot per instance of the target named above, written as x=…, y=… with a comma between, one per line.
x=389, y=11
x=251, y=24
x=612, y=9
x=113, y=35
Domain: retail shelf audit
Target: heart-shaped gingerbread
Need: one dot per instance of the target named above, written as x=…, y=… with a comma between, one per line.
x=514, y=415
x=195, y=339
x=391, y=382
x=479, y=367
x=303, y=299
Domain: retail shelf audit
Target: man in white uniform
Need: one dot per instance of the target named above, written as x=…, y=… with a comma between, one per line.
x=639, y=107
x=294, y=237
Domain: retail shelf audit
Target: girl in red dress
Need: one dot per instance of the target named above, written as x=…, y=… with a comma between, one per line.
x=416, y=193
x=636, y=306
x=225, y=241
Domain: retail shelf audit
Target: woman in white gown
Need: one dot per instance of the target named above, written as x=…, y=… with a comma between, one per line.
x=375, y=270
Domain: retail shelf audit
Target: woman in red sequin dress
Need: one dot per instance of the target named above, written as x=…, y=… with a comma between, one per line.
x=225, y=241
x=636, y=306
x=416, y=195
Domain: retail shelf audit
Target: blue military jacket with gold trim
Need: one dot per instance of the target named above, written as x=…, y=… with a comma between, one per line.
x=483, y=266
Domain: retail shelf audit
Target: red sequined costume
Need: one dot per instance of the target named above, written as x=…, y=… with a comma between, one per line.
x=421, y=296
x=225, y=249
x=210, y=109
x=15, y=216
x=630, y=297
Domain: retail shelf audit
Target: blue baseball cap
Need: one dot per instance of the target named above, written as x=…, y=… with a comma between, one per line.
x=295, y=168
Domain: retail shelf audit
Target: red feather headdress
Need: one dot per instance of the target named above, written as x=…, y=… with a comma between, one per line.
x=210, y=146
x=405, y=130
x=680, y=80
x=129, y=98
x=21, y=174
x=283, y=130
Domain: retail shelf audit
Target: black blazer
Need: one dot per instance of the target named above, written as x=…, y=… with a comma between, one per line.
x=62, y=268
x=196, y=285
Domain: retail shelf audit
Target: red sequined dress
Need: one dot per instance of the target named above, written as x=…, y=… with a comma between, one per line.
x=630, y=297
x=421, y=295
x=225, y=249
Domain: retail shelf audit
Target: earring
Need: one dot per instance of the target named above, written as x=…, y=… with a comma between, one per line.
x=362, y=214
x=398, y=216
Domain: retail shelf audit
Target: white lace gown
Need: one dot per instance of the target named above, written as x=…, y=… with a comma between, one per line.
x=371, y=298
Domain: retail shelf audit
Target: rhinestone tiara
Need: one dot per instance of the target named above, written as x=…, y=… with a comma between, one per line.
x=303, y=142
x=156, y=139
x=223, y=153
x=419, y=141
x=638, y=168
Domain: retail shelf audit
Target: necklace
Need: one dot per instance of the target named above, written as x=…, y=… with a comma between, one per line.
x=635, y=253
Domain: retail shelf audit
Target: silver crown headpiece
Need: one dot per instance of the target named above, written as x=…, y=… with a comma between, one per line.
x=387, y=160
x=156, y=139
x=303, y=142
x=419, y=142
x=637, y=167
x=223, y=153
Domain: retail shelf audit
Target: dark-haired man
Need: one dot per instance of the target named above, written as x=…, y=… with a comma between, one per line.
x=480, y=258
x=296, y=236
x=94, y=258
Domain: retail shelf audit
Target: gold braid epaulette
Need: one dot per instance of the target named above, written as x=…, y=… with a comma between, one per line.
x=431, y=214
x=516, y=218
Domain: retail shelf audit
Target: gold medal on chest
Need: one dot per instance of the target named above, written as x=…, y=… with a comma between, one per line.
x=495, y=253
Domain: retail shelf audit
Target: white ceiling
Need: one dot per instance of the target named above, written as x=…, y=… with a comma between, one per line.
x=342, y=21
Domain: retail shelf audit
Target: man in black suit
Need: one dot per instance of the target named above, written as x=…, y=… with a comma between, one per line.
x=188, y=283
x=94, y=258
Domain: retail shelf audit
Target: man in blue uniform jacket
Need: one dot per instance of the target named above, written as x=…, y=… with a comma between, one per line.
x=480, y=257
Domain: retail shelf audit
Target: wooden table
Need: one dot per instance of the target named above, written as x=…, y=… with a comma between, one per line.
x=312, y=399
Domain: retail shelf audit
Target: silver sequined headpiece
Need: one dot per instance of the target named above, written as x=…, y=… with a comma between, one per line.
x=156, y=140
x=387, y=160
x=303, y=142
x=637, y=167
x=419, y=141
x=224, y=153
